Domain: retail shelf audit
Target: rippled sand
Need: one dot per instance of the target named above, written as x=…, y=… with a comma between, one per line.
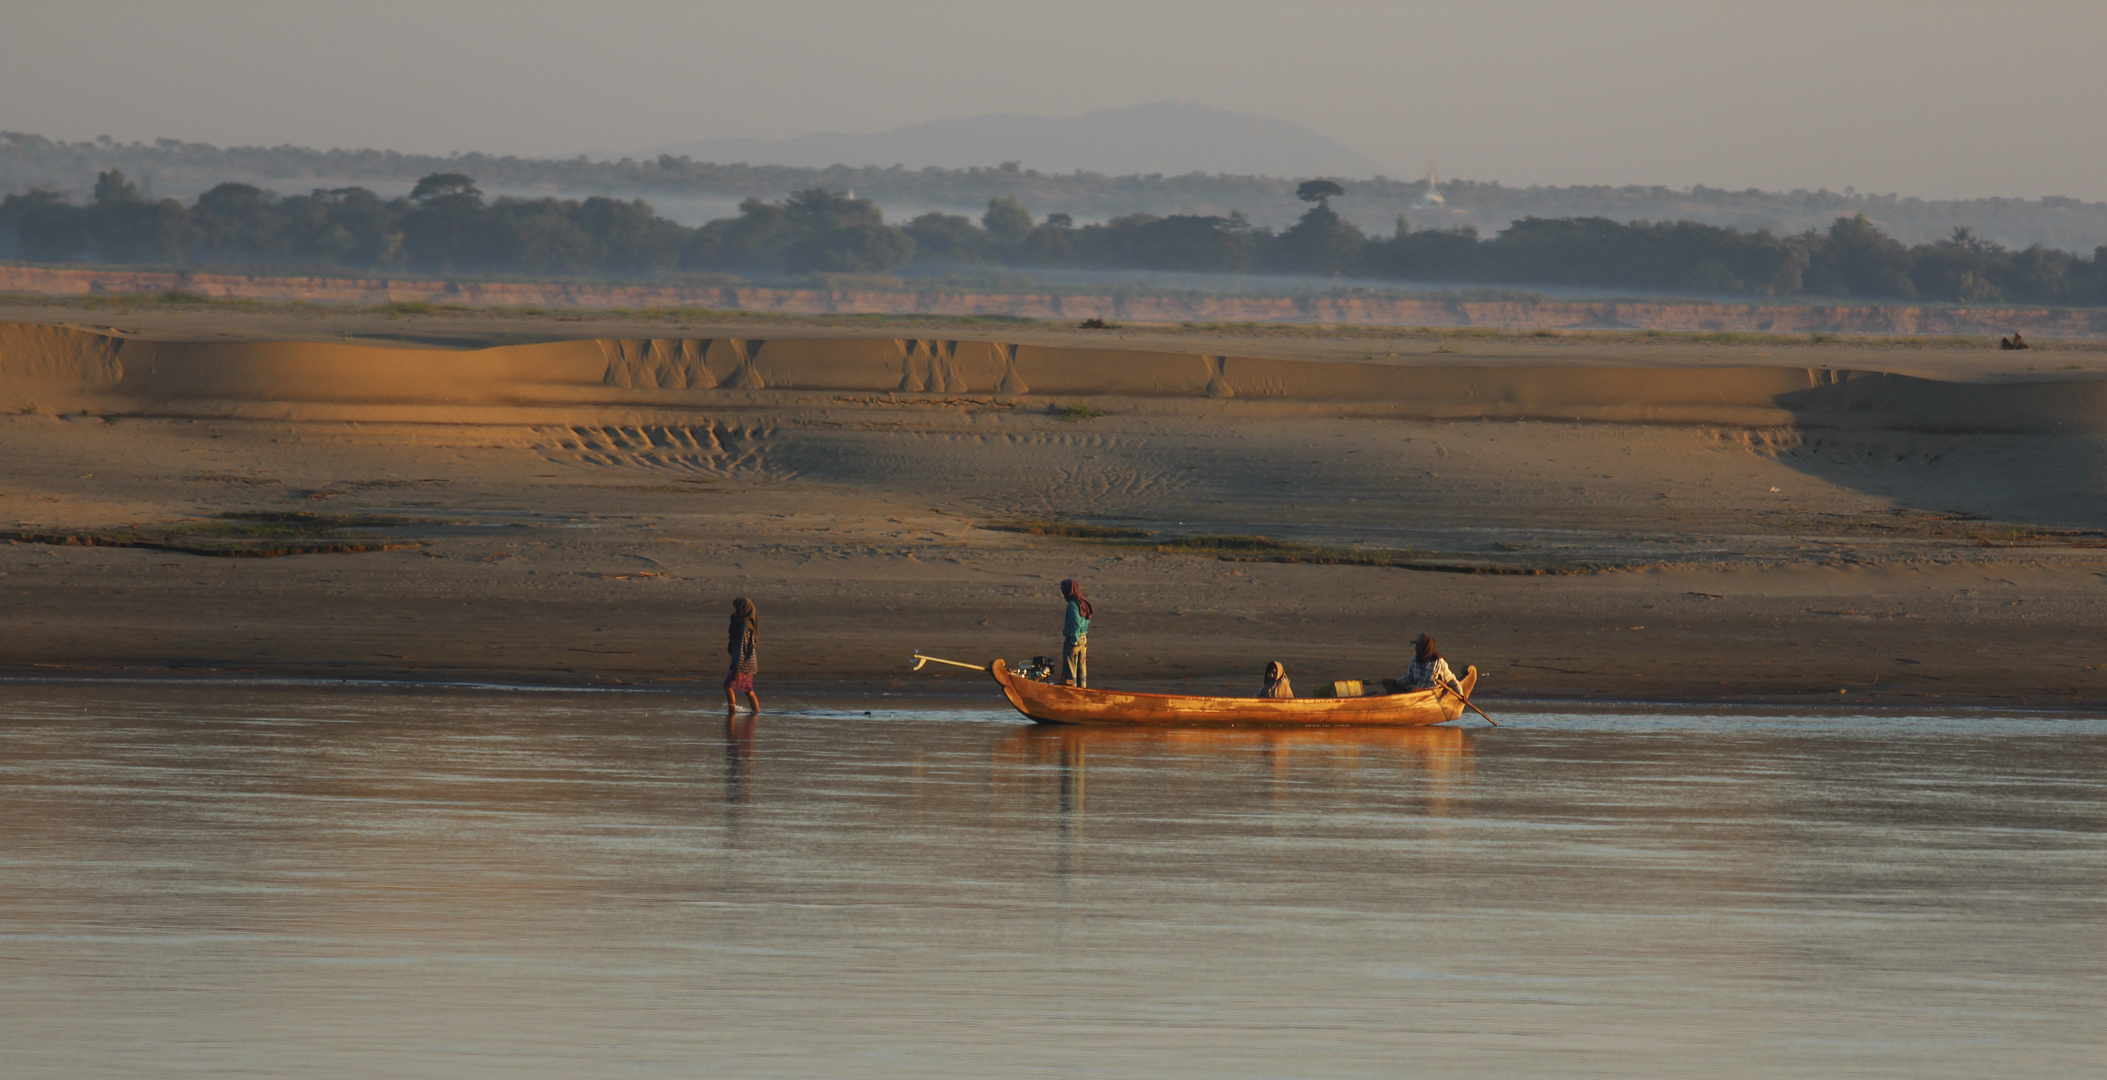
x=309, y=881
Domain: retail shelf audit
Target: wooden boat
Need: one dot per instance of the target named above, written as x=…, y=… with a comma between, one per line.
x=1052, y=703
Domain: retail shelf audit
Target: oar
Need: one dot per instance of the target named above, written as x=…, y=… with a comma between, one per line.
x=919, y=660
x=1467, y=701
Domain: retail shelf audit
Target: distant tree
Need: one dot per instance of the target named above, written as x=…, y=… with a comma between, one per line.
x=754, y=240
x=818, y=210
x=126, y=228
x=1006, y=220
x=1961, y=267
x=445, y=186
x=233, y=220
x=946, y=238
x=1187, y=242
x=446, y=224
x=1447, y=255
x=857, y=249
x=1857, y=259
x=447, y=228
x=2045, y=275
x=347, y=226
x=628, y=237
x=541, y=237
x=1050, y=243
x=46, y=226
x=1321, y=192
x=815, y=230
x=1320, y=243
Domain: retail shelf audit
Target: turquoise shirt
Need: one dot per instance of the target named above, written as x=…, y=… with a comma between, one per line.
x=1076, y=625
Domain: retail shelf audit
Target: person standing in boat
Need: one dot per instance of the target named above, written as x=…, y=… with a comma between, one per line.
x=1276, y=682
x=1428, y=669
x=744, y=647
x=1075, y=636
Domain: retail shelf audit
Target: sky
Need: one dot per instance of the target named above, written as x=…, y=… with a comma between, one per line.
x=1935, y=98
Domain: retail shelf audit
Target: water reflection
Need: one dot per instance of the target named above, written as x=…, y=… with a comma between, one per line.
x=303, y=883
x=1435, y=762
x=739, y=758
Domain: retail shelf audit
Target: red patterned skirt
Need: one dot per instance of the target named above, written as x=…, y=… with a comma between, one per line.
x=739, y=682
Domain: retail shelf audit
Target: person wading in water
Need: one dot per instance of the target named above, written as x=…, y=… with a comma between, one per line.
x=1075, y=636
x=746, y=663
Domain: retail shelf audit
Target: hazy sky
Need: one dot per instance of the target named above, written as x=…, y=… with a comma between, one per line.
x=1930, y=97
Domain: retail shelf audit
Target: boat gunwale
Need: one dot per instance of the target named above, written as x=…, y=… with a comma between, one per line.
x=1314, y=712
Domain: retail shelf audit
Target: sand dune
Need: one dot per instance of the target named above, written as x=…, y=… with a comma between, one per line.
x=72, y=368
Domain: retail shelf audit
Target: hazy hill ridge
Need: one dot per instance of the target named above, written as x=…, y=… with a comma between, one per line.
x=1168, y=137
x=696, y=191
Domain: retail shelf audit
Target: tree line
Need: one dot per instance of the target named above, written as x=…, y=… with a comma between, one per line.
x=447, y=225
x=186, y=168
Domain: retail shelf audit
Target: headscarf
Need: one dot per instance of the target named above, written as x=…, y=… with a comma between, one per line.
x=1072, y=591
x=1423, y=649
x=1275, y=673
x=744, y=618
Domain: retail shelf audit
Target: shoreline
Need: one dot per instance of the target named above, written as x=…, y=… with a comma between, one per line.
x=1329, y=308
x=1867, y=705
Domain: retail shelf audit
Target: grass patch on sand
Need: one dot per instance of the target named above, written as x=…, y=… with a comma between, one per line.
x=1268, y=549
x=2027, y=538
x=1245, y=548
x=1077, y=413
x=240, y=535
x=1073, y=530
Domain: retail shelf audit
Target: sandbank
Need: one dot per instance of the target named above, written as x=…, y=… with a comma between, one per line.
x=576, y=500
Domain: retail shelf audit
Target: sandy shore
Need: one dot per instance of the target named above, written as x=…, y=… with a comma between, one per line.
x=1656, y=518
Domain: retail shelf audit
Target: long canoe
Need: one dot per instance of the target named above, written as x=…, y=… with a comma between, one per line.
x=1052, y=703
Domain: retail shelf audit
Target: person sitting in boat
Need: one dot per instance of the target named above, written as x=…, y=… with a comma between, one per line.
x=1276, y=682
x=1075, y=636
x=1428, y=669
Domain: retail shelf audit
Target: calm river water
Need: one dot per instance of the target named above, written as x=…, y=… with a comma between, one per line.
x=324, y=882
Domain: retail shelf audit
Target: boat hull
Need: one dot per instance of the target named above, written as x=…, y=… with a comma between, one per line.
x=1050, y=703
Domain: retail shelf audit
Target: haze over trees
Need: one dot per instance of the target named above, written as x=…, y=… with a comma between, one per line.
x=694, y=191
x=447, y=225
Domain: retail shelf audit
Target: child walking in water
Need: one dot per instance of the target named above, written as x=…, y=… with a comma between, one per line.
x=1075, y=636
x=745, y=635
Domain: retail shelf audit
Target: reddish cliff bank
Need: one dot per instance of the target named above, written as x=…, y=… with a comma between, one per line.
x=1324, y=310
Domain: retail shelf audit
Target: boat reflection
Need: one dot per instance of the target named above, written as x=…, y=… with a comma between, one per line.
x=1432, y=763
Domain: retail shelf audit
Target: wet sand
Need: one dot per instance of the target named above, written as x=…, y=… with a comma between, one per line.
x=1676, y=547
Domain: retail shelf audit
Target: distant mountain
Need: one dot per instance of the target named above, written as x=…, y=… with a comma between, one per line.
x=1169, y=137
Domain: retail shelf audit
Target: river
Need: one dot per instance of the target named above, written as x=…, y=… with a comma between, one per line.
x=316, y=881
